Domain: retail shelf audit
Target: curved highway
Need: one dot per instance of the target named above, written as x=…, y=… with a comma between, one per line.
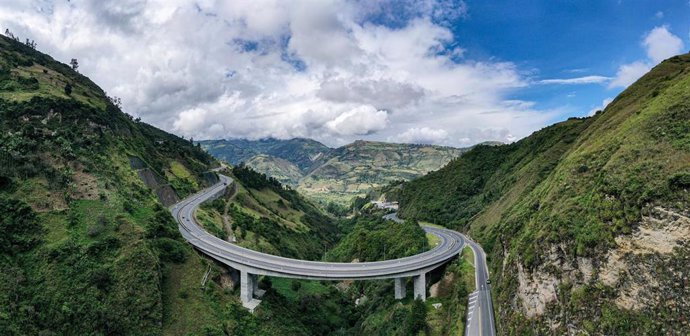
x=450, y=245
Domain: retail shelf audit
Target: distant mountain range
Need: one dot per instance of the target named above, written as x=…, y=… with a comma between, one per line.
x=333, y=174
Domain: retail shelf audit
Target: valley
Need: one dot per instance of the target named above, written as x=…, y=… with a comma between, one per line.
x=333, y=175
x=116, y=221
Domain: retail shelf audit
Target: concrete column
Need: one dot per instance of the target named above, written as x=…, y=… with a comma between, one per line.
x=420, y=286
x=399, y=288
x=255, y=283
x=246, y=287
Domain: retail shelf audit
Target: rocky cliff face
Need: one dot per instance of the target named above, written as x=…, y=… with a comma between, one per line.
x=646, y=273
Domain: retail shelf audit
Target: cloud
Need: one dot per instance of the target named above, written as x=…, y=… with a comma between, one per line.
x=601, y=107
x=383, y=92
x=629, y=73
x=659, y=44
x=333, y=70
x=578, y=80
x=424, y=135
x=359, y=121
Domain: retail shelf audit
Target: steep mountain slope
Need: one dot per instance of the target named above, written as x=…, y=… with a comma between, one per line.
x=338, y=174
x=586, y=221
x=263, y=215
x=87, y=245
x=284, y=171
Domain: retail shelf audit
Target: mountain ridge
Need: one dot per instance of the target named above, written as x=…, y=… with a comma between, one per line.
x=334, y=174
x=583, y=219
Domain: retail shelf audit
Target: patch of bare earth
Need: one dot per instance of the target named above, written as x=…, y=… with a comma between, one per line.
x=443, y=286
x=659, y=233
x=85, y=186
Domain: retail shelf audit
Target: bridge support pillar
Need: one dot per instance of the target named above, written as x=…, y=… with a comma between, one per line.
x=255, y=283
x=420, y=286
x=399, y=288
x=246, y=287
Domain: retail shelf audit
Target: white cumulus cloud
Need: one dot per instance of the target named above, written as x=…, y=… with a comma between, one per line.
x=576, y=80
x=629, y=73
x=359, y=121
x=659, y=44
x=424, y=135
x=333, y=70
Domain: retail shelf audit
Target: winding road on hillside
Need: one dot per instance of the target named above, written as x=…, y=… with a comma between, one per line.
x=480, y=312
x=251, y=263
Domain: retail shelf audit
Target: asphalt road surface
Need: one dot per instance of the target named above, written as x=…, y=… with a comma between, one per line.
x=480, y=315
x=450, y=245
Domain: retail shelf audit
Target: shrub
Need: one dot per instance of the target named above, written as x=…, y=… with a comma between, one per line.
x=19, y=226
x=679, y=181
x=171, y=250
x=296, y=285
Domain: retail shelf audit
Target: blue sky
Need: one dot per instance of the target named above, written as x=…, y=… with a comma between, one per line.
x=567, y=39
x=448, y=72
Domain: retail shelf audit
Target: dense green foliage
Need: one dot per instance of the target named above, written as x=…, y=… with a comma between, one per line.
x=573, y=187
x=372, y=239
x=19, y=226
x=86, y=246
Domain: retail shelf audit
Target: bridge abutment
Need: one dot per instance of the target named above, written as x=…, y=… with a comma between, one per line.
x=400, y=290
x=420, y=286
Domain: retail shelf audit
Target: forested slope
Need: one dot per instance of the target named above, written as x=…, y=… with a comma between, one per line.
x=586, y=221
x=87, y=242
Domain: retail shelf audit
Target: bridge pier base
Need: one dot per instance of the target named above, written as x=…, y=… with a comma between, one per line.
x=420, y=286
x=400, y=288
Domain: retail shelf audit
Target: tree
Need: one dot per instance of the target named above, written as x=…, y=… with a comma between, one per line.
x=118, y=103
x=68, y=89
x=9, y=34
x=31, y=43
x=416, y=321
x=296, y=285
x=74, y=63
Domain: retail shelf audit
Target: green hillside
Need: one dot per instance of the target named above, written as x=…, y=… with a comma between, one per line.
x=585, y=221
x=284, y=171
x=88, y=244
x=263, y=215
